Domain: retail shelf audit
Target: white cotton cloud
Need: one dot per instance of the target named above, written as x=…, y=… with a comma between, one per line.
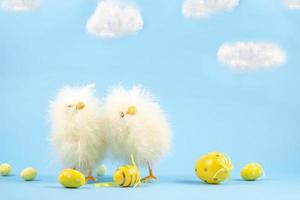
x=250, y=55
x=20, y=5
x=292, y=4
x=111, y=19
x=205, y=8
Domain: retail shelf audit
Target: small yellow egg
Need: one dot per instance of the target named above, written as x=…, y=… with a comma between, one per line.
x=28, y=174
x=101, y=170
x=213, y=168
x=5, y=169
x=71, y=178
x=252, y=171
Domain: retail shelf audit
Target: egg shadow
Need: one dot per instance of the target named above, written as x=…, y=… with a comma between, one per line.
x=249, y=181
x=64, y=188
x=189, y=182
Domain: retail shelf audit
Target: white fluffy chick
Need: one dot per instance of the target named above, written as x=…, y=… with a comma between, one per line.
x=77, y=128
x=136, y=125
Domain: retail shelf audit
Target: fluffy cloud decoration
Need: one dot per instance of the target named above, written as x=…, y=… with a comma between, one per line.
x=111, y=19
x=20, y=5
x=205, y=8
x=292, y=4
x=250, y=55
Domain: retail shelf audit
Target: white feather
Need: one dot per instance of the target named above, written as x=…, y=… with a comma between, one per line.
x=77, y=135
x=146, y=134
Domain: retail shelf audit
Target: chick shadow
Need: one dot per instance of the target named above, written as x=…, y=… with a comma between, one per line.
x=101, y=179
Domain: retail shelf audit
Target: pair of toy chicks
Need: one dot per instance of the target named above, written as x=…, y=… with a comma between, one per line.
x=85, y=131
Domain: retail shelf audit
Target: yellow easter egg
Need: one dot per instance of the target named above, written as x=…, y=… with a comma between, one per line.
x=101, y=170
x=5, y=169
x=28, y=174
x=213, y=168
x=71, y=178
x=252, y=171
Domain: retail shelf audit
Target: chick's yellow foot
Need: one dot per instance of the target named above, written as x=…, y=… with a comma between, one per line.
x=147, y=179
x=90, y=178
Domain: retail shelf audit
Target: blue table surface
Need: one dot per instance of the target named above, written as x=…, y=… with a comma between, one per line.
x=179, y=187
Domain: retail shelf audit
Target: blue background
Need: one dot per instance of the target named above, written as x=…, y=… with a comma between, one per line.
x=252, y=116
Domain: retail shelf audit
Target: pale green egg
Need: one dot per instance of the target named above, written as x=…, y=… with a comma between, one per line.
x=101, y=170
x=5, y=169
x=28, y=174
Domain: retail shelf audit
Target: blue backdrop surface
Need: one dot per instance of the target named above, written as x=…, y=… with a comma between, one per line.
x=252, y=116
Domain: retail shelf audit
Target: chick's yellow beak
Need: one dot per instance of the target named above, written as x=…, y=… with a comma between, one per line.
x=131, y=110
x=80, y=105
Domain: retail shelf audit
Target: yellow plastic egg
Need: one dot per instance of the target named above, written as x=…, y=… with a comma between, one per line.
x=71, y=178
x=213, y=168
x=101, y=170
x=28, y=174
x=252, y=171
x=5, y=169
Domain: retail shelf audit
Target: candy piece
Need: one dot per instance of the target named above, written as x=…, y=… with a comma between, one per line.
x=252, y=171
x=28, y=174
x=213, y=168
x=71, y=178
x=5, y=169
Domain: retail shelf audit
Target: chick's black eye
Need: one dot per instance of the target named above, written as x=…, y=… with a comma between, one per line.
x=122, y=114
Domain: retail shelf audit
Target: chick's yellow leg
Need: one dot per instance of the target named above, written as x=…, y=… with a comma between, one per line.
x=150, y=176
x=90, y=177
